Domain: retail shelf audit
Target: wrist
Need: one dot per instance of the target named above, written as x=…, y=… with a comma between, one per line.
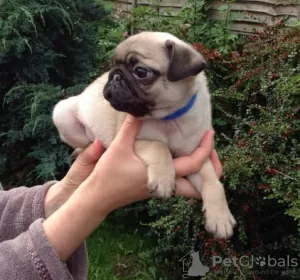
x=70, y=225
x=56, y=196
x=92, y=191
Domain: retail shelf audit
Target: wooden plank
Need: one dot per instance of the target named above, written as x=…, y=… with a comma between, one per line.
x=247, y=14
x=176, y=3
x=245, y=28
x=127, y=6
x=273, y=10
x=124, y=5
x=252, y=17
x=272, y=2
x=165, y=3
x=173, y=11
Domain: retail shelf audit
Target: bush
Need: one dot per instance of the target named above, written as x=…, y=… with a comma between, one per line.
x=48, y=51
x=255, y=92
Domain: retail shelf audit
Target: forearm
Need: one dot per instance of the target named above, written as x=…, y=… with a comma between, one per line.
x=71, y=224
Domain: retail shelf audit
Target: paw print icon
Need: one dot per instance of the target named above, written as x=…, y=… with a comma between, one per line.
x=261, y=261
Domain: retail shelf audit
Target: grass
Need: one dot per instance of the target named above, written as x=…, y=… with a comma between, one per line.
x=116, y=253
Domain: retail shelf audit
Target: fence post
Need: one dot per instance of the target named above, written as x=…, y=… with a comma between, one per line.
x=132, y=31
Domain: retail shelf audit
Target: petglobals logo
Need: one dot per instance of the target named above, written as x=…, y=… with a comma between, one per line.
x=252, y=261
x=192, y=264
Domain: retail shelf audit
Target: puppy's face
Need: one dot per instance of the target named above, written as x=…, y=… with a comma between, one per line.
x=153, y=74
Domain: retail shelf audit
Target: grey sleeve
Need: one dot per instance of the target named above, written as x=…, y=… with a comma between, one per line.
x=30, y=256
x=19, y=208
x=25, y=252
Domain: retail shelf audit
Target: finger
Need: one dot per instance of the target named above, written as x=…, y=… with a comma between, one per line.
x=188, y=165
x=184, y=188
x=129, y=130
x=216, y=163
x=90, y=155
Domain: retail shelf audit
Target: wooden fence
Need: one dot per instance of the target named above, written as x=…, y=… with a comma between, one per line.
x=247, y=15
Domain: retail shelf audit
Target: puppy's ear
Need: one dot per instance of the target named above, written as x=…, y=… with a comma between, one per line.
x=184, y=61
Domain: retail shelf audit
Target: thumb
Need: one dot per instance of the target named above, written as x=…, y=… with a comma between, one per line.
x=129, y=131
x=90, y=155
x=84, y=164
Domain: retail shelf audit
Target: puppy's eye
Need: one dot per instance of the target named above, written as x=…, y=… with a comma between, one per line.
x=141, y=72
x=143, y=75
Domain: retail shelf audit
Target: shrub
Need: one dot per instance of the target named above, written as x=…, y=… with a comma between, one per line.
x=48, y=51
x=255, y=94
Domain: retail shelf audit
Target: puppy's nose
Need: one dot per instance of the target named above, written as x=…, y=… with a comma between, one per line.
x=116, y=77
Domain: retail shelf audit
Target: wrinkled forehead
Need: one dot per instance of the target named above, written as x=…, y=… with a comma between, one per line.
x=140, y=50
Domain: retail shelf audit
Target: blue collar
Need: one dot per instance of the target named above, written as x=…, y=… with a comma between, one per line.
x=180, y=112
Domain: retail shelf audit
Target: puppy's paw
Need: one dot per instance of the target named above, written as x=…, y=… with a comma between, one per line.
x=219, y=220
x=161, y=182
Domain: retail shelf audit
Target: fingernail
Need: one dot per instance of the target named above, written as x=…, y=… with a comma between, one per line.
x=96, y=144
x=130, y=119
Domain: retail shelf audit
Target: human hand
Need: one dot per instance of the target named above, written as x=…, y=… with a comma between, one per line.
x=84, y=164
x=82, y=167
x=187, y=165
x=120, y=177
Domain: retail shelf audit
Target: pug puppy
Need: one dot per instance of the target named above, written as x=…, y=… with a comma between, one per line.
x=158, y=78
